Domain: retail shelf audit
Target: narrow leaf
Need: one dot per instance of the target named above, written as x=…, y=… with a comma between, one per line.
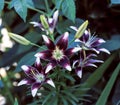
x=104, y=96
x=16, y=102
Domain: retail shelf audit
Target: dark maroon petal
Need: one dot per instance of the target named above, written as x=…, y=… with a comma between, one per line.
x=38, y=64
x=50, y=45
x=35, y=88
x=46, y=55
x=30, y=71
x=69, y=52
x=65, y=63
x=85, y=36
x=63, y=41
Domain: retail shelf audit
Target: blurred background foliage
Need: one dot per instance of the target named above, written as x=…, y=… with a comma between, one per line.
x=104, y=21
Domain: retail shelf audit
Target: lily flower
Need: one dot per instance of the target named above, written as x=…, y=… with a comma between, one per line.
x=36, y=77
x=83, y=62
x=57, y=53
x=50, y=21
x=88, y=42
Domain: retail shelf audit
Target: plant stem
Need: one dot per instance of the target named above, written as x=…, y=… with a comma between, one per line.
x=47, y=6
x=37, y=46
x=7, y=89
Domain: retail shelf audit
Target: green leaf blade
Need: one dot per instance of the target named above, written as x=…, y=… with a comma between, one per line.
x=69, y=9
x=104, y=96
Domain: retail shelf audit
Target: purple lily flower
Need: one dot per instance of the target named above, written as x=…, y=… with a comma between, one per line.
x=36, y=77
x=51, y=22
x=57, y=53
x=88, y=42
x=83, y=62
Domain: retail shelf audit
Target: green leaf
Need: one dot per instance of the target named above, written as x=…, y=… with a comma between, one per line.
x=1, y=5
x=58, y=3
x=111, y=44
x=95, y=77
x=104, y=96
x=64, y=100
x=69, y=9
x=21, y=6
x=16, y=102
x=28, y=59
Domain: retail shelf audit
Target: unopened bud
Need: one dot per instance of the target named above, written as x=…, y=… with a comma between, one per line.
x=81, y=30
x=44, y=21
x=19, y=39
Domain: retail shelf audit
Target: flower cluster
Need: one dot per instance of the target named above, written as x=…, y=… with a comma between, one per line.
x=58, y=54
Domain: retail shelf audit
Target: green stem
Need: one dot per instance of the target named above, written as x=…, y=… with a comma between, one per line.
x=37, y=46
x=72, y=41
x=39, y=11
x=47, y=6
x=7, y=89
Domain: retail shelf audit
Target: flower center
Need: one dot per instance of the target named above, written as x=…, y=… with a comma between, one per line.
x=57, y=54
x=40, y=77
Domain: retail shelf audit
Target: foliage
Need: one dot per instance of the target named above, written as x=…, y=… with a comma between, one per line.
x=28, y=22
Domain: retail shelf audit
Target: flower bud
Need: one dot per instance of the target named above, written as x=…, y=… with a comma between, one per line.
x=81, y=30
x=44, y=21
x=19, y=39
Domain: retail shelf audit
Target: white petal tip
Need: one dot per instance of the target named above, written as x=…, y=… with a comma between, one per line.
x=49, y=67
x=68, y=68
x=24, y=67
x=22, y=83
x=79, y=73
x=34, y=91
x=45, y=38
x=50, y=82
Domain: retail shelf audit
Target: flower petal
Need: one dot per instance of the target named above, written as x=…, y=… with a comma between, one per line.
x=30, y=71
x=97, y=42
x=38, y=64
x=50, y=45
x=35, y=88
x=74, y=28
x=63, y=41
x=36, y=24
x=94, y=61
x=90, y=64
x=104, y=50
x=71, y=51
x=26, y=81
x=65, y=63
x=79, y=72
x=50, y=66
x=50, y=82
x=46, y=55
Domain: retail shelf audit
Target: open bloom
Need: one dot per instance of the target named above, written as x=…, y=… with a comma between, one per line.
x=85, y=61
x=88, y=42
x=50, y=21
x=57, y=53
x=36, y=77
